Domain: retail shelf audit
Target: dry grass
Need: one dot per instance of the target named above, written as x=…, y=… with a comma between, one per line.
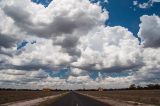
x=12, y=96
x=143, y=96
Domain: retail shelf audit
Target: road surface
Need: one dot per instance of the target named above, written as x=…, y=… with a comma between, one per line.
x=75, y=99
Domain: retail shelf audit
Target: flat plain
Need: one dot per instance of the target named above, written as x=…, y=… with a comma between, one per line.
x=142, y=96
x=13, y=96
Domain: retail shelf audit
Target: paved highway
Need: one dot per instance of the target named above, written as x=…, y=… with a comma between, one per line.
x=74, y=99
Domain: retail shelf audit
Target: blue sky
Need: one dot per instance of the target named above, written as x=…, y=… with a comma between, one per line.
x=122, y=13
x=43, y=2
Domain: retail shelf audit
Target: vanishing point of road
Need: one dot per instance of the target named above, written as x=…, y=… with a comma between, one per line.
x=75, y=99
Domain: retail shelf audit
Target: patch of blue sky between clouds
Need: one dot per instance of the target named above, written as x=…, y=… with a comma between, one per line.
x=24, y=43
x=95, y=74
x=63, y=73
x=100, y=1
x=45, y=3
x=122, y=13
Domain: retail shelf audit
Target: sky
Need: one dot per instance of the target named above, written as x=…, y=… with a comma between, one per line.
x=74, y=44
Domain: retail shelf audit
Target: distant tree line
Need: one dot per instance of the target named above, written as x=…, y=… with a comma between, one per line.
x=149, y=86
x=138, y=87
x=131, y=87
x=11, y=89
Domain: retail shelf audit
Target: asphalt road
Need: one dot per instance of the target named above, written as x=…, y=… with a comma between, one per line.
x=75, y=99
